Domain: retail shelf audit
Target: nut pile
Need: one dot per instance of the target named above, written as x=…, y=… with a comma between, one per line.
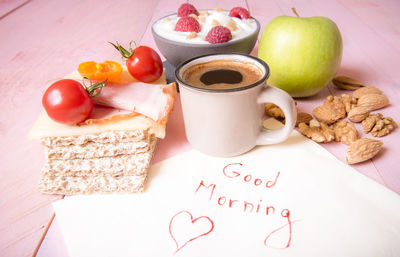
x=329, y=122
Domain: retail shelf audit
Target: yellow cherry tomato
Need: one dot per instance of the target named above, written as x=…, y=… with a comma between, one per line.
x=108, y=70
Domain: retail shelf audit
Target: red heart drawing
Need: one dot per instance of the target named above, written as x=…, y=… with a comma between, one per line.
x=180, y=245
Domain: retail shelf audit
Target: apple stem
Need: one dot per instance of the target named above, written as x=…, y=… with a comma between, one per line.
x=295, y=12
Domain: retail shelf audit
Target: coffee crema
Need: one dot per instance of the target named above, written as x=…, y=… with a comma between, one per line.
x=222, y=74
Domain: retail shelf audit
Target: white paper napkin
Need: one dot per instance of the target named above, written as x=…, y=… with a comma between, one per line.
x=290, y=199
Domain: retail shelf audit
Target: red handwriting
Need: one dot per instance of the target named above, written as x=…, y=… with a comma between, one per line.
x=235, y=171
x=203, y=185
x=200, y=232
x=230, y=171
x=285, y=214
x=243, y=205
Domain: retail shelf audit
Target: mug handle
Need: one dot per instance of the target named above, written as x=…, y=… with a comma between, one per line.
x=279, y=97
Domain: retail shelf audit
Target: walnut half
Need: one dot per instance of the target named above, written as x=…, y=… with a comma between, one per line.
x=345, y=132
x=331, y=111
x=274, y=111
x=317, y=131
x=349, y=102
x=378, y=125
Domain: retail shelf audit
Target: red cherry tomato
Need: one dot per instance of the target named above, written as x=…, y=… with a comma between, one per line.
x=67, y=101
x=143, y=63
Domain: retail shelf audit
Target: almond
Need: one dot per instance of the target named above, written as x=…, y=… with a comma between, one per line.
x=347, y=83
x=358, y=113
x=204, y=13
x=231, y=25
x=363, y=149
x=373, y=101
x=194, y=16
x=215, y=23
x=191, y=35
x=303, y=117
x=366, y=90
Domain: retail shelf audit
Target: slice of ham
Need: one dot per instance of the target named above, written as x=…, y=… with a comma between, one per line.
x=152, y=100
x=103, y=114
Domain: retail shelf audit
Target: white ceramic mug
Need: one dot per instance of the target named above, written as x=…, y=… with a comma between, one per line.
x=228, y=122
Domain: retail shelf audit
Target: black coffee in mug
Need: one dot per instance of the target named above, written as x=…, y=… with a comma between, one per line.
x=222, y=74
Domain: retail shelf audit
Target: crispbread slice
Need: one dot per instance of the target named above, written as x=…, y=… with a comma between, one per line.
x=70, y=185
x=99, y=176
x=126, y=164
x=95, y=150
x=107, y=137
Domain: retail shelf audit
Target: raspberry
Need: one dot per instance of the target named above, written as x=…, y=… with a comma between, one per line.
x=186, y=9
x=187, y=24
x=239, y=12
x=219, y=34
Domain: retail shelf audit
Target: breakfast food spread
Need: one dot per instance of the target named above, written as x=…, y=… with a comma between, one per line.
x=194, y=27
x=110, y=150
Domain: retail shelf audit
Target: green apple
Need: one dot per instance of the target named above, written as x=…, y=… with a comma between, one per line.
x=303, y=54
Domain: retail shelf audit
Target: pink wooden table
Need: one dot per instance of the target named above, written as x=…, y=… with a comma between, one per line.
x=43, y=40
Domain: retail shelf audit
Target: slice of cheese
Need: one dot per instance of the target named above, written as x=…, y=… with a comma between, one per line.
x=102, y=119
x=46, y=127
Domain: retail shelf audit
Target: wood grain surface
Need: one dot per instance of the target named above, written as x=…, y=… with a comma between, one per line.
x=43, y=40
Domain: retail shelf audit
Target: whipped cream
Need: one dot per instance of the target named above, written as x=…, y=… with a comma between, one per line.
x=165, y=27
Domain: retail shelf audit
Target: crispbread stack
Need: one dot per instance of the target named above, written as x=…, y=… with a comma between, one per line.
x=111, y=151
x=107, y=162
